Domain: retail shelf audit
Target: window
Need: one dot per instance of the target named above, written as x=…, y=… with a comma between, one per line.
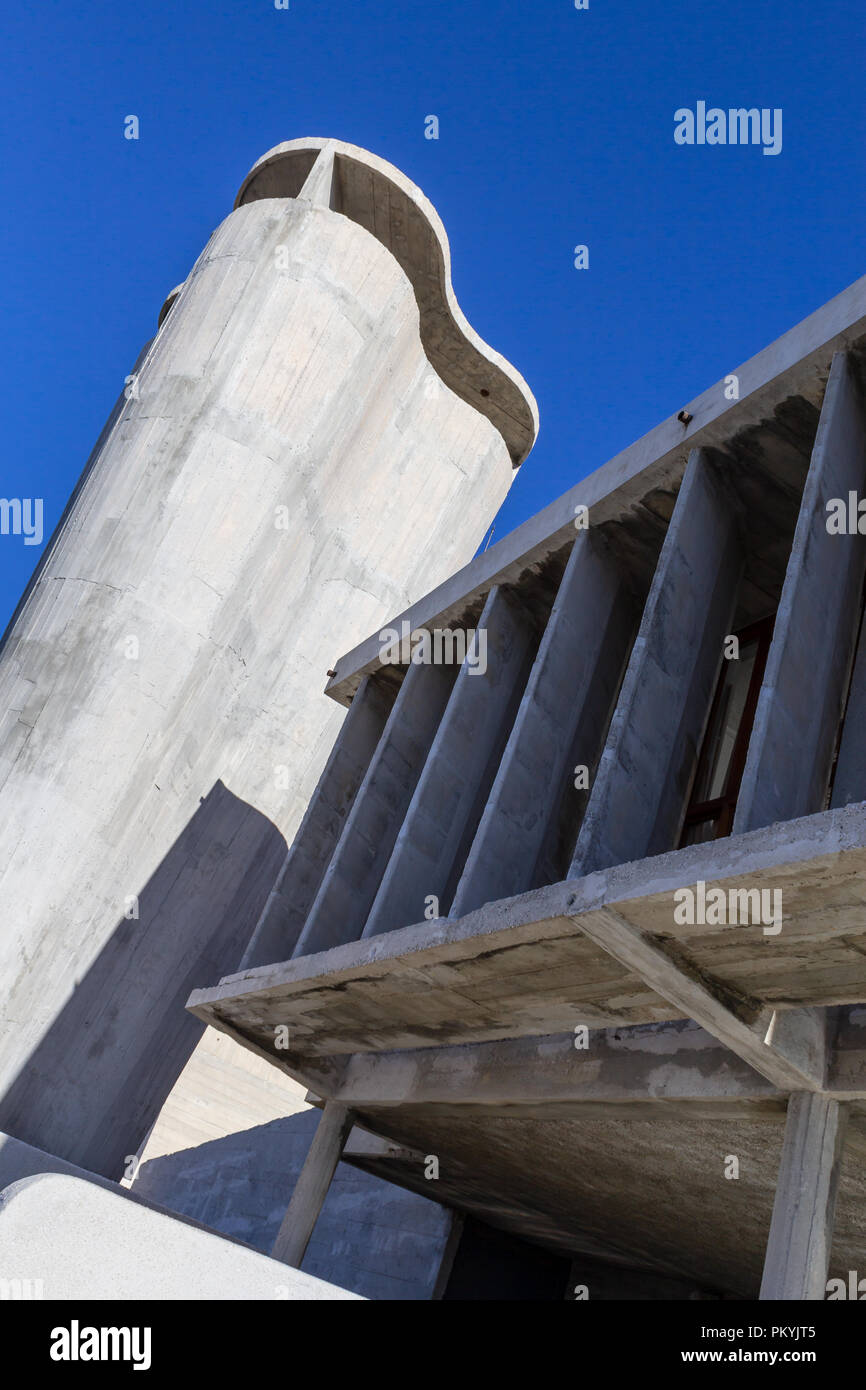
x=716, y=787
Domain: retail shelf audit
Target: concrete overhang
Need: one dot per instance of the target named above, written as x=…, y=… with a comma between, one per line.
x=534, y=965
x=378, y=197
x=791, y=371
x=456, y=1039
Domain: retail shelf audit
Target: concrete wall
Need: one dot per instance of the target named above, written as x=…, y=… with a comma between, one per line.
x=176, y=642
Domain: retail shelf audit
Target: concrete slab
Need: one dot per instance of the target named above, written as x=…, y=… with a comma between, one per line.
x=524, y=967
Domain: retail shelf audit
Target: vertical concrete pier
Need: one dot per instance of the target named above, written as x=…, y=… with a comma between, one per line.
x=463, y=758
x=306, y=863
x=801, y=1231
x=352, y=878
x=803, y=693
x=639, y=792
x=563, y=719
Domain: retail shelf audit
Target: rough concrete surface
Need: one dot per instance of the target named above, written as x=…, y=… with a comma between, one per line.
x=84, y=1242
x=249, y=514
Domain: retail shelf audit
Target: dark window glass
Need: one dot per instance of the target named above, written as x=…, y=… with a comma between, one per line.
x=723, y=756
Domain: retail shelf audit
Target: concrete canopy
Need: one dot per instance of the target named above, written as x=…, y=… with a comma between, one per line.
x=456, y=1038
x=531, y=965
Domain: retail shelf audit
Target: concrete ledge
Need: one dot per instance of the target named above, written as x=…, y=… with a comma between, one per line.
x=528, y=965
x=83, y=1242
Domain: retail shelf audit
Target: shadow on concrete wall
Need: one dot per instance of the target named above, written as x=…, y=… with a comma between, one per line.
x=96, y=1082
x=371, y=1237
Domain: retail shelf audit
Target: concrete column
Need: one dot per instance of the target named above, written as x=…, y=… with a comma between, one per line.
x=306, y=863
x=800, y=705
x=312, y=1186
x=352, y=878
x=801, y=1229
x=639, y=793
x=562, y=721
x=457, y=776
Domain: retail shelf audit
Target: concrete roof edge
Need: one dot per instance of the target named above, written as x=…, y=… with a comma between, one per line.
x=822, y=836
x=411, y=191
x=794, y=363
x=168, y=303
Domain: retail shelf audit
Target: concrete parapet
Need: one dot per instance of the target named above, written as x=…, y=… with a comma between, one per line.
x=81, y=1241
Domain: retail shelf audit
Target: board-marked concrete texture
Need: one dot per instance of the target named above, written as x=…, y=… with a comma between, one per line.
x=85, y=1242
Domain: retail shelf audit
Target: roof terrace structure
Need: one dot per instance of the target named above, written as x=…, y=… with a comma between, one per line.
x=582, y=918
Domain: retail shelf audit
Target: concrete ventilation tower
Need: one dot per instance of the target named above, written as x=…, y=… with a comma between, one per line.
x=313, y=440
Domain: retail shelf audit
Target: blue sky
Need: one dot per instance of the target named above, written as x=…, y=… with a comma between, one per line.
x=556, y=129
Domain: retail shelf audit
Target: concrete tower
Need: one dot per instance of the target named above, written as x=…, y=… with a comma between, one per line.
x=314, y=439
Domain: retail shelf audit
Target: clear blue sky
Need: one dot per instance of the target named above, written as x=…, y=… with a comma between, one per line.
x=556, y=130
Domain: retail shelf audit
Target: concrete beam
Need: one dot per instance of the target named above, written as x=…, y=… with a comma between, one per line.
x=312, y=1186
x=562, y=721
x=640, y=790
x=458, y=773
x=791, y=1051
x=643, y=1070
x=350, y=883
x=294, y=892
x=806, y=679
x=846, y=1072
x=801, y=1229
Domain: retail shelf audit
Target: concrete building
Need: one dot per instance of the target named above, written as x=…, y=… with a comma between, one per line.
x=532, y=949
x=584, y=957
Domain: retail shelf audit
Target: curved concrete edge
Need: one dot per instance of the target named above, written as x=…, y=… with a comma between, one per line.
x=382, y=200
x=169, y=304
x=73, y=1239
